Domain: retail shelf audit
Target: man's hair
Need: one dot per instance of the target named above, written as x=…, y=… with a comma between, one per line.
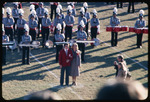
x=66, y=44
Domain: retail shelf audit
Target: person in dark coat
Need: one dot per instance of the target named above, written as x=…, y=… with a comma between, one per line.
x=131, y=3
x=119, y=4
x=75, y=63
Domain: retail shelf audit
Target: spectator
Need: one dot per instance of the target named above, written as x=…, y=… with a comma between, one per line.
x=120, y=90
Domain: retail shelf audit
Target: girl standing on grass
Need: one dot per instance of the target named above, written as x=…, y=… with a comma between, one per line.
x=122, y=72
x=76, y=63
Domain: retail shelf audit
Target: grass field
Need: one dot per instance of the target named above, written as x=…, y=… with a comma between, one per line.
x=19, y=80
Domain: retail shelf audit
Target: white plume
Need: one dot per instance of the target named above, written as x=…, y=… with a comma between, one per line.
x=58, y=26
x=68, y=2
x=32, y=7
x=60, y=7
x=8, y=10
x=3, y=10
x=115, y=10
x=85, y=4
x=141, y=12
x=69, y=8
x=33, y=12
x=94, y=11
x=21, y=11
x=3, y=27
x=15, y=3
x=82, y=23
x=82, y=10
x=26, y=27
x=57, y=10
x=46, y=10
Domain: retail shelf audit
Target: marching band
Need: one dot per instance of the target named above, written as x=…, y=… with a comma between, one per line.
x=39, y=16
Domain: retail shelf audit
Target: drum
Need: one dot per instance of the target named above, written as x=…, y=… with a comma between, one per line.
x=117, y=29
x=14, y=46
x=109, y=29
x=124, y=28
x=145, y=30
x=36, y=43
x=139, y=30
x=131, y=29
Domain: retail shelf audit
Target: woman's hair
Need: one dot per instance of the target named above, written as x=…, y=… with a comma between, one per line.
x=75, y=44
x=121, y=57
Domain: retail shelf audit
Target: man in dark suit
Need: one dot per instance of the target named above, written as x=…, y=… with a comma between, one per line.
x=131, y=3
x=65, y=58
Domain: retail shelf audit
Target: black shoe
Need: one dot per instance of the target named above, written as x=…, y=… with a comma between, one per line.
x=23, y=63
x=28, y=63
x=56, y=61
x=4, y=63
x=83, y=61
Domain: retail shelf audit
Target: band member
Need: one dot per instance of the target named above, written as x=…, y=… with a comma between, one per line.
x=81, y=17
x=53, y=9
x=62, y=17
x=69, y=21
x=94, y=25
x=19, y=5
x=87, y=15
x=8, y=24
x=26, y=39
x=65, y=58
x=114, y=21
x=36, y=4
x=57, y=20
x=5, y=38
x=15, y=14
x=81, y=35
x=140, y=23
x=61, y=13
x=32, y=25
x=75, y=63
x=46, y=23
x=20, y=25
x=40, y=14
x=33, y=12
x=3, y=10
x=73, y=8
x=59, y=38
